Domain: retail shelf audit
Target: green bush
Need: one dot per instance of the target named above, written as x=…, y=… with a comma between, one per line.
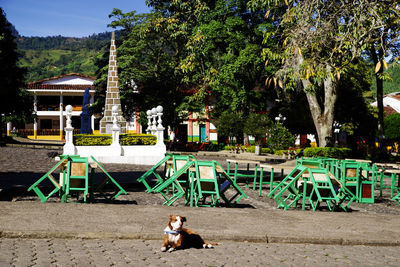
x=137, y=139
x=279, y=138
x=267, y=150
x=215, y=147
x=106, y=139
x=229, y=147
x=285, y=151
x=251, y=149
x=92, y=140
x=280, y=152
x=330, y=152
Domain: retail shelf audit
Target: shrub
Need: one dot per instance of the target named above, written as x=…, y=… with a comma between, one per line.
x=251, y=149
x=137, y=139
x=92, y=140
x=330, y=152
x=266, y=150
x=279, y=138
x=229, y=147
x=106, y=139
x=215, y=147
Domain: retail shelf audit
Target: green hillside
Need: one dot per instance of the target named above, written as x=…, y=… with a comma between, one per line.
x=390, y=85
x=45, y=57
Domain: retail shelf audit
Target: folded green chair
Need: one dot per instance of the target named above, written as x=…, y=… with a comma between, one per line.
x=326, y=188
x=210, y=181
x=176, y=182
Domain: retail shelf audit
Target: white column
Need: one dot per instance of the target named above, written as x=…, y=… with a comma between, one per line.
x=154, y=116
x=115, y=148
x=160, y=128
x=61, y=116
x=9, y=127
x=35, y=119
x=148, y=130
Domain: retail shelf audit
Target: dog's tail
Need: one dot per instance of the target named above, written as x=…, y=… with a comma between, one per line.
x=209, y=245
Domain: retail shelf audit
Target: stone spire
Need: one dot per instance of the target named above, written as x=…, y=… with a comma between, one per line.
x=112, y=96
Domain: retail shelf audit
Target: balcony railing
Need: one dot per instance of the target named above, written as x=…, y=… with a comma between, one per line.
x=57, y=108
x=26, y=132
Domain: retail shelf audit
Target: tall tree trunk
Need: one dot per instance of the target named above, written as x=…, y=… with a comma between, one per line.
x=245, y=139
x=376, y=57
x=323, y=116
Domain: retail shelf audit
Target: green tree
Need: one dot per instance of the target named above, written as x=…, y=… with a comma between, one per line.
x=14, y=101
x=230, y=124
x=279, y=137
x=149, y=55
x=317, y=43
x=386, y=41
x=224, y=59
x=392, y=127
x=257, y=125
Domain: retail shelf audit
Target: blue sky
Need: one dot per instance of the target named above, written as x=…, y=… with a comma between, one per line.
x=70, y=18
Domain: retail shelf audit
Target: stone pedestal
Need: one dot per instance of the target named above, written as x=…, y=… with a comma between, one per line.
x=112, y=96
x=69, y=148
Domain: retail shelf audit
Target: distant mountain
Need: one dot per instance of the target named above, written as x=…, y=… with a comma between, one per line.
x=45, y=57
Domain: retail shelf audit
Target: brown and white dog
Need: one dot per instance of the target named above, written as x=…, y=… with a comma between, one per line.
x=177, y=237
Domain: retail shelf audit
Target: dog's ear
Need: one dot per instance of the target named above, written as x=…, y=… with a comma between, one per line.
x=171, y=216
x=183, y=219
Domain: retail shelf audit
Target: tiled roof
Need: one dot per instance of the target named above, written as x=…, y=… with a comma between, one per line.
x=388, y=110
x=395, y=96
x=59, y=86
x=61, y=76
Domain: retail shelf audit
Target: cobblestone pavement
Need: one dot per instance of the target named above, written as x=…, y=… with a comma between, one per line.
x=78, y=252
x=21, y=167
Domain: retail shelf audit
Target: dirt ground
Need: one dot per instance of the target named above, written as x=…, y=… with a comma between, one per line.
x=21, y=167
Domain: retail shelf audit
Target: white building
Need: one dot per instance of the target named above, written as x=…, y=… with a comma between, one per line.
x=51, y=95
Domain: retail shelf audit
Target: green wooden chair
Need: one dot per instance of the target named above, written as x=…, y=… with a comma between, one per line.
x=118, y=190
x=176, y=185
x=204, y=185
x=77, y=178
x=326, y=188
x=210, y=181
x=350, y=176
x=57, y=186
x=369, y=174
x=397, y=198
x=275, y=176
x=247, y=174
x=153, y=172
x=286, y=193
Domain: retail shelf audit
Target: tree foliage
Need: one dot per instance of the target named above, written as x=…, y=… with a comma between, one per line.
x=257, y=125
x=224, y=58
x=392, y=127
x=279, y=137
x=186, y=55
x=317, y=43
x=13, y=99
x=230, y=124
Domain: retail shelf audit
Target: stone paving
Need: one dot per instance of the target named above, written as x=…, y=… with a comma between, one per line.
x=105, y=252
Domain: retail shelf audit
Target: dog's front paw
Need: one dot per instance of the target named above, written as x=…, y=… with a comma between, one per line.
x=163, y=249
x=208, y=246
x=171, y=249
